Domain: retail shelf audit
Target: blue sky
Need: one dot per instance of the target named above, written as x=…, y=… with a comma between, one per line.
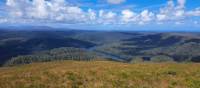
x=103, y=14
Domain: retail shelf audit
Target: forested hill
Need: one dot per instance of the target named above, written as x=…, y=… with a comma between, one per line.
x=21, y=46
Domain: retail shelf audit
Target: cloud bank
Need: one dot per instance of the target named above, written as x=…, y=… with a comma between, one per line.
x=55, y=11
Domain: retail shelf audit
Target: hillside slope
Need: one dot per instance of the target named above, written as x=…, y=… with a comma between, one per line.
x=112, y=45
x=100, y=74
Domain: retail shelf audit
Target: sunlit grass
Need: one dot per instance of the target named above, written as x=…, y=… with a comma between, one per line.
x=101, y=74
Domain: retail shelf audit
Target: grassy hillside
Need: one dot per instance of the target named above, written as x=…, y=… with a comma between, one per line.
x=101, y=74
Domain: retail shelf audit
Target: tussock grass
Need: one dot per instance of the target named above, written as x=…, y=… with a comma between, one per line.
x=101, y=74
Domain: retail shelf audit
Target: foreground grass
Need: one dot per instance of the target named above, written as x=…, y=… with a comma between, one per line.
x=101, y=74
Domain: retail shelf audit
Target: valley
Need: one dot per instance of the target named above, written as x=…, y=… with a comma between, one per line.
x=19, y=46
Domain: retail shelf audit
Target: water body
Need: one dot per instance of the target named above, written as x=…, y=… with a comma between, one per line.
x=108, y=55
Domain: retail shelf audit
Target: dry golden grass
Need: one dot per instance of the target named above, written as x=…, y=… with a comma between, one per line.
x=101, y=74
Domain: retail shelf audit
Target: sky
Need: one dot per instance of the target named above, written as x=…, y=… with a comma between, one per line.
x=181, y=15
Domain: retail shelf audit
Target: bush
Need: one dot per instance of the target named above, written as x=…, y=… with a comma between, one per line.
x=162, y=58
x=137, y=60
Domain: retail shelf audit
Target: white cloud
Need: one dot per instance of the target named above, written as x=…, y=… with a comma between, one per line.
x=161, y=17
x=110, y=15
x=179, y=13
x=92, y=14
x=115, y=1
x=128, y=16
x=181, y=3
x=107, y=17
x=74, y=14
x=195, y=12
x=172, y=12
x=11, y=3
x=39, y=9
x=62, y=11
x=14, y=8
x=146, y=16
x=56, y=10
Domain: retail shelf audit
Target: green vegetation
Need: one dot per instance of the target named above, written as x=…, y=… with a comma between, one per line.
x=161, y=58
x=19, y=47
x=137, y=60
x=179, y=52
x=53, y=55
x=100, y=74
